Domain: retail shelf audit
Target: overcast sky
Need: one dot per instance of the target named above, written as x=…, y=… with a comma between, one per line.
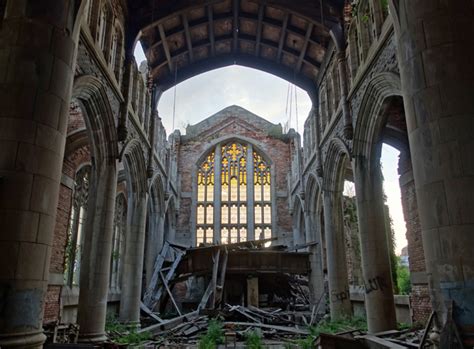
x=267, y=96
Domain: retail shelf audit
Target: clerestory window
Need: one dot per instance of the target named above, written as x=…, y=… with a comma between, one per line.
x=76, y=226
x=233, y=195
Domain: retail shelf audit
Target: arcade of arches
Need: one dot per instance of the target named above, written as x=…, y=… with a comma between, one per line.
x=92, y=187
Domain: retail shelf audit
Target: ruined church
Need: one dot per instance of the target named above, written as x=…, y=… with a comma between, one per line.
x=107, y=219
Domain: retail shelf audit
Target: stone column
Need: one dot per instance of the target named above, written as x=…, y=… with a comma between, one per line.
x=97, y=251
x=343, y=81
x=379, y=301
x=436, y=51
x=316, y=276
x=250, y=195
x=133, y=263
x=217, y=194
x=339, y=300
x=37, y=54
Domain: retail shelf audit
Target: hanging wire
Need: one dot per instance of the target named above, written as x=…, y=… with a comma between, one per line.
x=296, y=99
x=174, y=93
x=296, y=109
x=287, y=99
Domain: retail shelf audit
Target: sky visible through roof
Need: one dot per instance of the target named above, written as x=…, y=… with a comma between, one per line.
x=267, y=96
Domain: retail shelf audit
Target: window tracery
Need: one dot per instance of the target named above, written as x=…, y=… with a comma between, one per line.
x=237, y=221
x=76, y=226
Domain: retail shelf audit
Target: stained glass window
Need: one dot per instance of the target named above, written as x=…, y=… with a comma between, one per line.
x=205, y=199
x=235, y=195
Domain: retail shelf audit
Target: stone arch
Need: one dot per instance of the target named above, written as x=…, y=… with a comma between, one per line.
x=258, y=147
x=170, y=219
x=227, y=138
x=82, y=9
x=100, y=122
x=313, y=206
x=299, y=221
x=154, y=224
x=132, y=155
x=369, y=122
x=336, y=156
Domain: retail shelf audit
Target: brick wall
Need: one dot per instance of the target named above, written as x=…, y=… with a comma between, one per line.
x=233, y=121
x=70, y=165
x=52, y=304
x=419, y=297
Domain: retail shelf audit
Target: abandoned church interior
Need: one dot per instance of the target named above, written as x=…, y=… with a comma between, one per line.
x=236, y=222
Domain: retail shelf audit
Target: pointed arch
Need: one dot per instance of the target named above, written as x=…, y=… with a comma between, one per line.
x=334, y=165
x=98, y=116
x=369, y=121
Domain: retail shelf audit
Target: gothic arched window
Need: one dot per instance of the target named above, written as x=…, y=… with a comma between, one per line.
x=120, y=221
x=233, y=195
x=76, y=226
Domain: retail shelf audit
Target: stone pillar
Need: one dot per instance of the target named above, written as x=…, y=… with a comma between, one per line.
x=316, y=276
x=250, y=195
x=379, y=300
x=343, y=81
x=339, y=300
x=436, y=51
x=37, y=54
x=217, y=194
x=155, y=241
x=252, y=291
x=133, y=263
x=97, y=251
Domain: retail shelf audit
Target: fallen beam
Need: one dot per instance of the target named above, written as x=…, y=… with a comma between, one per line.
x=271, y=327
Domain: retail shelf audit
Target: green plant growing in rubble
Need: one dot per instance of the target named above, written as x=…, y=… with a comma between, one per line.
x=213, y=337
x=253, y=340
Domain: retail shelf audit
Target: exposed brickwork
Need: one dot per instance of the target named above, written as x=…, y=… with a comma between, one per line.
x=60, y=230
x=419, y=297
x=76, y=119
x=52, y=304
x=420, y=303
x=71, y=163
x=75, y=160
x=237, y=122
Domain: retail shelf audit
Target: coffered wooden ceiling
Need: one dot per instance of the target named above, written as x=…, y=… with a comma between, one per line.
x=287, y=38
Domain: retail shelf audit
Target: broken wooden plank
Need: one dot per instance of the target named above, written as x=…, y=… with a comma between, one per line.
x=160, y=259
x=215, y=270
x=221, y=280
x=244, y=312
x=171, y=323
x=168, y=277
x=273, y=327
x=427, y=328
x=165, y=283
x=150, y=313
x=205, y=297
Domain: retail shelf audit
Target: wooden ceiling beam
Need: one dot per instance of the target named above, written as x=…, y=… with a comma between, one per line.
x=235, y=24
x=261, y=10
x=210, y=17
x=166, y=48
x=282, y=36
x=305, y=46
x=187, y=34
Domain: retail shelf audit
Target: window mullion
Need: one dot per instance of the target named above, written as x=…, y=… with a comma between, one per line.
x=217, y=193
x=250, y=194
